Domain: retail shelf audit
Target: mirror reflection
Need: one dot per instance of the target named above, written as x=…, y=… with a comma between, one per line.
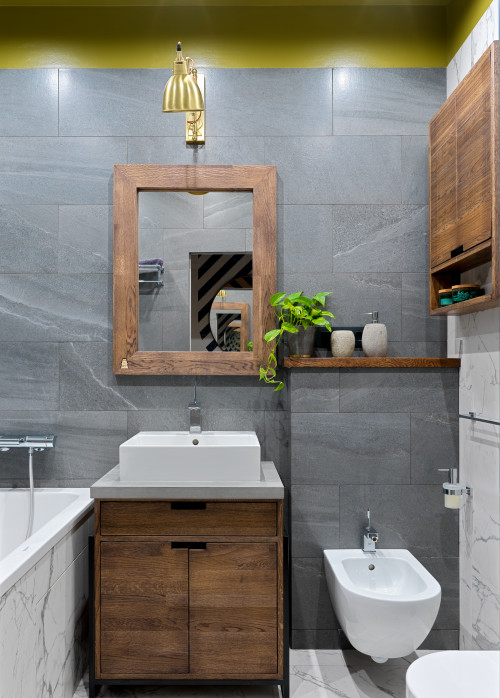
x=195, y=271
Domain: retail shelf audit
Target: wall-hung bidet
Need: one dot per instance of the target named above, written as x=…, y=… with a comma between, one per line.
x=385, y=601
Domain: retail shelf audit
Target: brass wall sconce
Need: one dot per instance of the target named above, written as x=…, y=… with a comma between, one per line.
x=185, y=92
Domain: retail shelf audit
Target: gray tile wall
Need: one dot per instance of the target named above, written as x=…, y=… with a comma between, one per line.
x=350, y=146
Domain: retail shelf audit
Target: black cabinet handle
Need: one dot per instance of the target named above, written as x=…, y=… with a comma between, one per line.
x=190, y=546
x=188, y=505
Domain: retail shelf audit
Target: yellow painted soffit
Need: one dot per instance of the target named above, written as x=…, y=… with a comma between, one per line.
x=224, y=37
x=463, y=15
x=211, y=3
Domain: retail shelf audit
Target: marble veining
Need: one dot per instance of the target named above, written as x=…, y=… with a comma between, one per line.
x=49, y=653
x=475, y=338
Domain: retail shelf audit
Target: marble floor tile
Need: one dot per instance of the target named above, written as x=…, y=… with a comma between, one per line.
x=313, y=674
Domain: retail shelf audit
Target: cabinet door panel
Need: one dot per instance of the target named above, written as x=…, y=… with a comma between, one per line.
x=233, y=610
x=474, y=155
x=143, y=609
x=443, y=183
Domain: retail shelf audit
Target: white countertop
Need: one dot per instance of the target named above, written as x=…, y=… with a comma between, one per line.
x=268, y=487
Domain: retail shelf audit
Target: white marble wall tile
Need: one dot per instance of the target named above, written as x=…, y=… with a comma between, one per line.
x=60, y=639
x=485, y=32
x=42, y=622
x=476, y=339
x=18, y=639
x=459, y=66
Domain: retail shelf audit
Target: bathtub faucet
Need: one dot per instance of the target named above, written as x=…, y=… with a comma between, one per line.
x=369, y=536
x=194, y=415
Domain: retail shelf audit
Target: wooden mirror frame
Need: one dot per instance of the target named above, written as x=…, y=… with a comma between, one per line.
x=129, y=180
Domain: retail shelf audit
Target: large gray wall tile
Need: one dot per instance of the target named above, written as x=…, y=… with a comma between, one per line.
x=313, y=391
x=446, y=571
x=304, y=239
x=170, y=209
x=216, y=151
x=337, y=170
x=29, y=375
x=418, y=325
x=55, y=307
x=85, y=239
x=115, y=103
x=406, y=516
x=417, y=349
x=311, y=605
x=415, y=169
x=434, y=444
x=290, y=102
x=353, y=295
x=86, y=445
x=441, y=640
x=315, y=519
x=59, y=170
x=350, y=448
x=406, y=390
x=29, y=100
x=378, y=238
x=88, y=383
x=178, y=243
x=228, y=209
x=386, y=101
x=277, y=441
x=28, y=239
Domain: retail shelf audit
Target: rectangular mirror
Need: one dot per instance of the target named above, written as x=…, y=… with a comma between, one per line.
x=194, y=267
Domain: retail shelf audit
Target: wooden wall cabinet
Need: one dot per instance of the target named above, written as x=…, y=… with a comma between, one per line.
x=188, y=593
x=463, y=179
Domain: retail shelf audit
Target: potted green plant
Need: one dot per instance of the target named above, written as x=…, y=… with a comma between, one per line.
x=298, y=316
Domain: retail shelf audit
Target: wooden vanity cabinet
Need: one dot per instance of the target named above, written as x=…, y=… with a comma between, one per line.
x=206, y=604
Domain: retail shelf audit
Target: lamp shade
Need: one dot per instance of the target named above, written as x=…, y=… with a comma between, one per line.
x=182, y=94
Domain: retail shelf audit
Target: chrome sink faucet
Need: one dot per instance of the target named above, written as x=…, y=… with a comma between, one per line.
x=194, y=415
x=369, y=536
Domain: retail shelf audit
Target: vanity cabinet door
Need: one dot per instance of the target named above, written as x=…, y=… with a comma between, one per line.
x=233, y=611
x=143, y=609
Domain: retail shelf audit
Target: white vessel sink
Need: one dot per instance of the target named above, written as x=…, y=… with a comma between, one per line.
x=179, y=456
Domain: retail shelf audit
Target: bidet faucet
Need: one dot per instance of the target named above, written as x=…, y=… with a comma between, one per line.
x=194, y=415
x=369, y=536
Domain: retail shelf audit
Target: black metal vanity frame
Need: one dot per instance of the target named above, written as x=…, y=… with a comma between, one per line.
x=95, y=684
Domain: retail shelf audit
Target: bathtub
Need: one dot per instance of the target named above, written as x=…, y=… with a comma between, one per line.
x=455, y=674
x=43, y=591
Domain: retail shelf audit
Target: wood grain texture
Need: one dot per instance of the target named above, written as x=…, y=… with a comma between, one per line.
x=233, y=620
x=371, y=362
x=219, y=518
x=129, y=180
x=144, y=609
x=443, y=182
x=474, y=227
x=247, y=587
x=474, y=155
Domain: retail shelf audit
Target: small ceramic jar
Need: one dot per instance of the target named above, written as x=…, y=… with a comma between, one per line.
x=445, y=296
x=464, y=292
x=342, y=343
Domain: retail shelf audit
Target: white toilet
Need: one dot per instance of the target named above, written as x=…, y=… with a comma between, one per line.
x=455, y=674
x=385, y=601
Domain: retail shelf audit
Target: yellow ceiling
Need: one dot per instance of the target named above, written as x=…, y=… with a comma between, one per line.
x=234, y=33
x=215, y=3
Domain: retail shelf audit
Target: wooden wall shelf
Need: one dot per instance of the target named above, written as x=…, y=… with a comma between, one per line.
x=367, y=362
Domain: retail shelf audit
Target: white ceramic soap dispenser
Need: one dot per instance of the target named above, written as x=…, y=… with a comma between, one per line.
x=374, y=338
